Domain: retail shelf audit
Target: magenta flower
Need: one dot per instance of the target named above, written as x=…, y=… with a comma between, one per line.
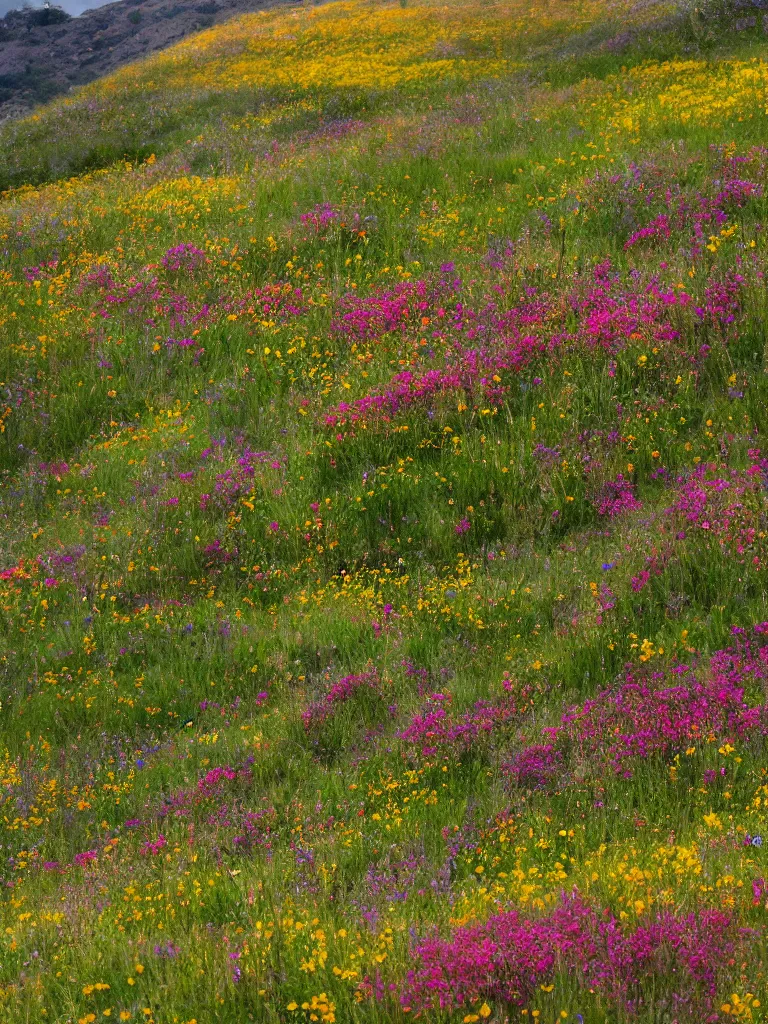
x=152, y=848
x=508, y=957
x=85, y=858
x=341, y=691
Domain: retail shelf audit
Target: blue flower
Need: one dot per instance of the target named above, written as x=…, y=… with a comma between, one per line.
x=140, y=763
x=608, y=565
x=757, y=840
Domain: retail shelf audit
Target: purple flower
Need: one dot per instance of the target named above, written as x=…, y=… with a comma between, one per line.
x=184, y=257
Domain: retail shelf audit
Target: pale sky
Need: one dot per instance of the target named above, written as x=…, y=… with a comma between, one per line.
x=73, y=7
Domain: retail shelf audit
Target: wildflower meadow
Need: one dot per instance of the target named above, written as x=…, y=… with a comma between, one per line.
x=384, y=522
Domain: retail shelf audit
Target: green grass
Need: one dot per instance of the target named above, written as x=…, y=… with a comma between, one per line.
x=200, y=540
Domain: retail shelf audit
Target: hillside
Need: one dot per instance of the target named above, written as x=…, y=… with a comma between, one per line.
x=43, y=55
x=384, y=522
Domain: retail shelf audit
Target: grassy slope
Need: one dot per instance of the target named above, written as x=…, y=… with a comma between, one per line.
x=198, y=542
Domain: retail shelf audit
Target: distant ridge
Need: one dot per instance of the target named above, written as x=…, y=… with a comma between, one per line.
x=39, y=61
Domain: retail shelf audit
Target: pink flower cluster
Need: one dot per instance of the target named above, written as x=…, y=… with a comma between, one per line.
x=721, y=502
x=700, y=214
x=341, y=691
x=322, y=220
x=85, y=858
x=153, y=847
x=658, y=228
x=213, y=785
x=366, y=319
x=484, y=348
x=669, y=962
x=643, y=717
x=437, y=730
x=536, y=767
x=615, y=497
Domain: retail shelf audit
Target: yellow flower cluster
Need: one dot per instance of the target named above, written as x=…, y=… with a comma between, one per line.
x=696, y=92
x=355, y=44
x=319, y=1008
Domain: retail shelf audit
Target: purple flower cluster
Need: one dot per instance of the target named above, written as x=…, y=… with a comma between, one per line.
x=536, y=767
x=184, y=257
x=694, y=216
